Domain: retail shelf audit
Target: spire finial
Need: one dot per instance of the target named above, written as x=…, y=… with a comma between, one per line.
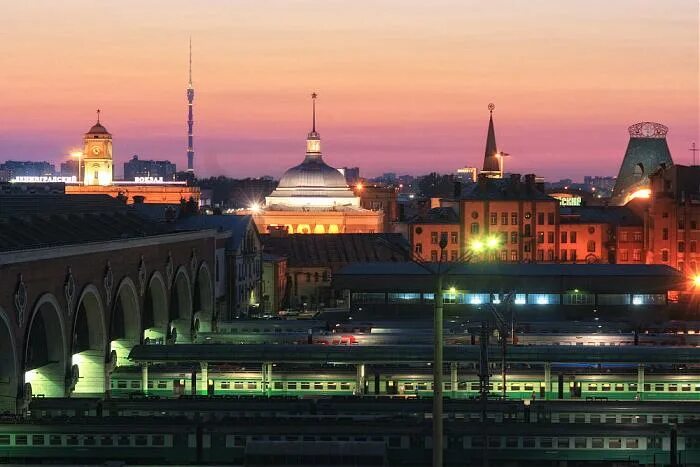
x=313, y=100
x=98, y=116
x=492, y=106
x=190, y=60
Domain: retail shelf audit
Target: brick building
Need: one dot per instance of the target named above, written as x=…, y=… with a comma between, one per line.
x=425, y=231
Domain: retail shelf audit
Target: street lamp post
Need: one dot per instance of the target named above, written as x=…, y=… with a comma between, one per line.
x=79, y=155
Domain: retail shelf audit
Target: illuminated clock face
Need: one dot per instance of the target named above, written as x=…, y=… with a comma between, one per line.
x=96, y=150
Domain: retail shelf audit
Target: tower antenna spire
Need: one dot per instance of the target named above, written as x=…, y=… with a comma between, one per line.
x=190, y=118
x=694, y=150
x=313, y=106
x=98, y=116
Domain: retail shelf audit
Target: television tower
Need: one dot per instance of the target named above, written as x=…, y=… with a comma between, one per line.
x=190, y=121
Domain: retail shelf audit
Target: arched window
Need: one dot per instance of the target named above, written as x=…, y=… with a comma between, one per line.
x=638, y=170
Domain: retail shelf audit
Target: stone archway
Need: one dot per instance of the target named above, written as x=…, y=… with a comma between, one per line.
x=181, y=308
x=8, y=366
x=319, y=229
x=45, y=353
x=203, y=299
x=89, y=345
x=155, y=310
x=125, y=323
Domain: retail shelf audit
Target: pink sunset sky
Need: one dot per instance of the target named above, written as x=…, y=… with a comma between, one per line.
x=403, y=85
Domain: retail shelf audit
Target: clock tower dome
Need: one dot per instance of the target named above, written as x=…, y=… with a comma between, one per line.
x=97, y=156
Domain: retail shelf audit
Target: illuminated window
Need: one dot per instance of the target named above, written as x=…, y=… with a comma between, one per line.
x=513, y=218
x=454, y=238
x=540, y=237
x=637, y=236
x=513, y=237
x=504, y=218
x=513, y=255
x=624, y=255
x=453, y=255
x=504, y=255
x=433, y=255
x=623, y=236
x=419, y=248
x=474, y=228
x=590, y=247
x=434, y=238
x=494, y=218
x=664, y=255
x=636, y=255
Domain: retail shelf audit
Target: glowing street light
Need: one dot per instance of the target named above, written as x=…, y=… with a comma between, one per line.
x=696, y=280
x=492, y=243
x=79, y=155
x=255, y=207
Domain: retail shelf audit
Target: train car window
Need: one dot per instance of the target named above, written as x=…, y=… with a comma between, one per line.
x=135, y=384
x=658, y=387
x=121, y=384
x=657, y=419
x=619, y=387
x=475, y=386
x=422, y=387
x=563, y=418
x=685, y=387
x=278, y=385
x=697, y=387
x=408, y=386
x=673, y=419
x=106, y=440
x=597, y=443
x=606, y=386
x=626, y=419
x=89, y=441
x=647, y=387
x=252, y=385
x=162, y=384
x=305, y=386
x=595, y=418
x=21, y=440
x=592, y=387
x=124, y=441
x=511, y=442
x=332, y=386
x=490, y=387
x=529, y=387
x=141, y=440
x=614, y=443
x=275, y=438
x=528, y=442
x=150, y=385
x=632, y=387
x=494, y=442
x=225, y=385
x=673, y=387
x=5, y=440
x=157, y=440
x=238, y=385
x=654, y=442
x=545, y=442
x=563, y=443
x=610, y=419
x=580, y=443
x=318, y=386
x=291, y=385
x=462, y=386
x=515, y=387
x=72, y=440
x=447, y=386
x=37, y=440
x=344, y=386
x=291, y=438
x=580, y=418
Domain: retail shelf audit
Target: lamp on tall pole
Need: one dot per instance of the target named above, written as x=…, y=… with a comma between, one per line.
x=79, y=155
x=477, y=247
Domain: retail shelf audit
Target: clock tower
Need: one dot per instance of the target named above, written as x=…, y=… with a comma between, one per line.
x=97, y=168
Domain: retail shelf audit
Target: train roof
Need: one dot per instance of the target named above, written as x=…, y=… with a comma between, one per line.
x=300, y=353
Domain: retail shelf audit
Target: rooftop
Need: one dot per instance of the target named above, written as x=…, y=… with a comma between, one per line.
x=337, y=250
x=505, y=189
x=444, y=215
x=45, y=220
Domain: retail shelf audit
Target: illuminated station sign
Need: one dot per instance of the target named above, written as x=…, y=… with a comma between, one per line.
x=45, y=179
x=148, y=179
x=567, y=199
